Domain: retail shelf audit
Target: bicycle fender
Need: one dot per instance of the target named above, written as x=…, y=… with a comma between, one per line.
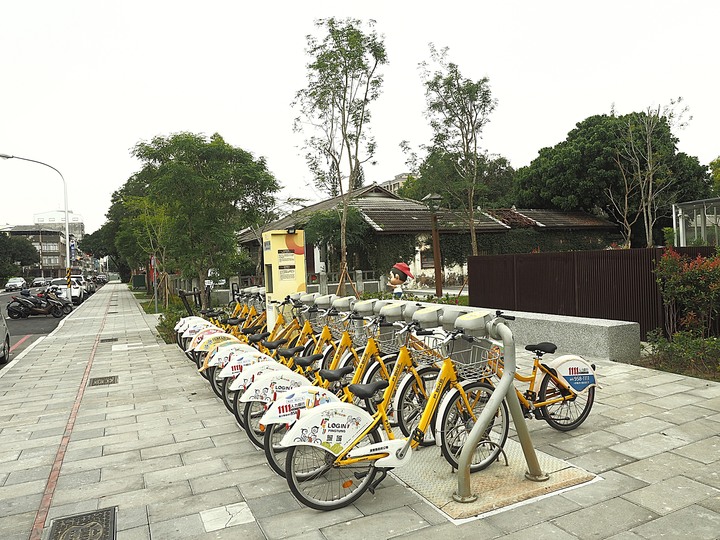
x=270, y=384
x=288, y=407
x=249, y=373
x=334, y=426
x=192, y=330
x=183, y=323
x=346, y=359
x=221, y=355
x=237, y=363
x=575, y=371
x=211, y=340
x=444, y=405
x=200, y=334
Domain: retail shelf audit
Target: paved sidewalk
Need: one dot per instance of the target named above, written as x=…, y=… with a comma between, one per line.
x=162, y=448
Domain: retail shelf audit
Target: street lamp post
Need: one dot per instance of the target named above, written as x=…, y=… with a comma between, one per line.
x=432, y=200
x=67, y=222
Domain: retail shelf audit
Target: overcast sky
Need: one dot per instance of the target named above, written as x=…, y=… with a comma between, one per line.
x=83, y=81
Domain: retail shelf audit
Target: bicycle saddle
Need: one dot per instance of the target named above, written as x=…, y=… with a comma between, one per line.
x=544, y=347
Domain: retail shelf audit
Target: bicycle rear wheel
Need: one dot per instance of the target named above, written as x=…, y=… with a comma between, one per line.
x=317, y=482
x=568, y=414
x=457, y=423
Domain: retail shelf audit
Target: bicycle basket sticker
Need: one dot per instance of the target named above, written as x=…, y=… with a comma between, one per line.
x=268, y=386
x=577, y=374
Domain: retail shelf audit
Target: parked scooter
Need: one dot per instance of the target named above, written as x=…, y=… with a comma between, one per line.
x=25, y=305
x=51, y=292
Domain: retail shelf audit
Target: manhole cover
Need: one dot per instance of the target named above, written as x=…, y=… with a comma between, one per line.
x=99, y=381
x=108, y=340
x=97, y=525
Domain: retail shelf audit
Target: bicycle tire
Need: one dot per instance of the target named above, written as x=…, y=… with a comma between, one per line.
x=274, y=453
x=412, y=402
x=237, y=408
x=457, y=423
x=568, y=414
x=217, y=383
x=318, y=483
x=228, y=394
x=252, y=413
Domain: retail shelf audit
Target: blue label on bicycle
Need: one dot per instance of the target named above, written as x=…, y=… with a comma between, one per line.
x=577, y=374
x=580, y=382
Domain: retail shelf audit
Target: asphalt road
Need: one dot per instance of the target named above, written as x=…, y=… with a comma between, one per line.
x=23, y=332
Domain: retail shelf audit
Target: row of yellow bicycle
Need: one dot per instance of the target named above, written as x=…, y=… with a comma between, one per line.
x=339, y=392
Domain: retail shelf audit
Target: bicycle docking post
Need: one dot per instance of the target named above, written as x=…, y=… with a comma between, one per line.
x=504, y=390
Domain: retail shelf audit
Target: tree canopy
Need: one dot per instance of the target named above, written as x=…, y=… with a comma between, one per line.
x=343, y=80
x=16, y=252
x=626, y=167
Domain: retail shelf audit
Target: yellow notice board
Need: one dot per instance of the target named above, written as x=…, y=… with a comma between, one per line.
x=284, y=260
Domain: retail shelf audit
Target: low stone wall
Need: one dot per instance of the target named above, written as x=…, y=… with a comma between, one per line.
x=601, y=338
x=616, y=340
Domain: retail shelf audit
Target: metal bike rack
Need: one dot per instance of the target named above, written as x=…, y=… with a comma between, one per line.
x=504, y=390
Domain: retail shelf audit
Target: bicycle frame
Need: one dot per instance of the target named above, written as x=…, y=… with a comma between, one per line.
x=570, y=372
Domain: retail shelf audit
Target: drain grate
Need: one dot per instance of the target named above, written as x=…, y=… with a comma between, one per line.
x=97, y=525
x=108, y=340
x=99, y=381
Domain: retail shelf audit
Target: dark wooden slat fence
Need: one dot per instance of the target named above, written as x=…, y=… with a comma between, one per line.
x=605, y=284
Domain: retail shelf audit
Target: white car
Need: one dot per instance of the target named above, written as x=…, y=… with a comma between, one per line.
x=88, y=287
x=76, y=290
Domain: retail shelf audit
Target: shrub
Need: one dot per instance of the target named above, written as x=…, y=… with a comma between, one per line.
x=687, y=353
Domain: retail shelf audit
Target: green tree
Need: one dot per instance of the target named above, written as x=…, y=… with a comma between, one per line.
x=16, y=252
x=715, y=175
x=626, y=167
x=343, y=80
x=210, y=190
x=458, y=109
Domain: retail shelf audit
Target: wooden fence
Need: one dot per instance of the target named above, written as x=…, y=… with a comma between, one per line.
x=604, y=284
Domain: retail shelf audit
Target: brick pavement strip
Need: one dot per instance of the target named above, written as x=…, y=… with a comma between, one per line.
x=162, y=447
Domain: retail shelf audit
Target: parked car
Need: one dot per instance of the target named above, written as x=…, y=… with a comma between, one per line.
x=40, y=282
x=5, y=343
x=16, y=284
x=87, y=288
x=76, y=290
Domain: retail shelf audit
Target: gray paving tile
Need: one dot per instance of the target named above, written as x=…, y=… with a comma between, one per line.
x=705, y=451
x=145, y=496
x=691, y=522
x=648, y=445
x=399, y=521
x=671, y=494
x=17, y=526
x=192, y=505
x=659, y=467
x=183, y=527
x=299, y=522
x=604, y=519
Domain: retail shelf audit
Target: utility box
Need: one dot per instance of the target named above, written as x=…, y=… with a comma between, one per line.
x=284, y=266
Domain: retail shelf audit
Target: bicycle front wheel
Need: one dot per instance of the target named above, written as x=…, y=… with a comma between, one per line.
x=412, y=399
x=458, y=421
x=275, y=454
x=319, y=483
x=568, y=414
x=252, y=414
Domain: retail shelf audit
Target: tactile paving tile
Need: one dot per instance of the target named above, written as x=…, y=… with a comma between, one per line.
x=496, y=487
